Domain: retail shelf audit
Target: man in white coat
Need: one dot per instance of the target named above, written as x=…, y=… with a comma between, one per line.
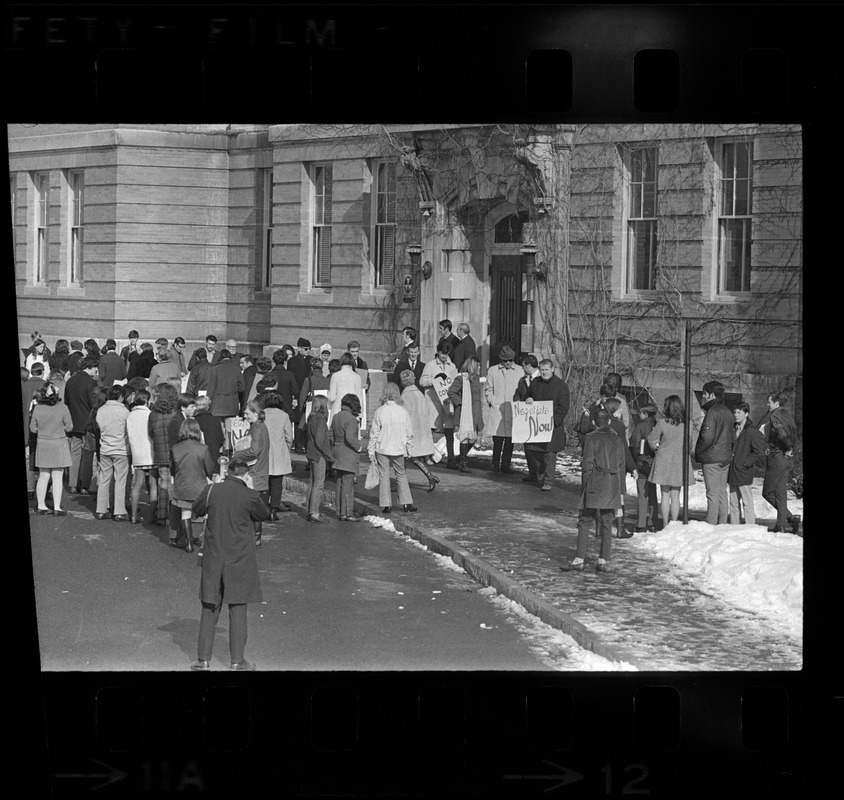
x=502, y=381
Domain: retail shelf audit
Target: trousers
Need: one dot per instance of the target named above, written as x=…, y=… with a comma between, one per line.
x=775, y=487
x=345, y=493
x=717, y=500
x=317, y=475
x=585, y=523
x=115, y=467
x=237, y=630
x=502, y=451
x=541, y=463
x=384, y=495
x=742, y=496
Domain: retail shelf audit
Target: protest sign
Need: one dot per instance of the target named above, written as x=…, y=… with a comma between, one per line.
x=533, y=423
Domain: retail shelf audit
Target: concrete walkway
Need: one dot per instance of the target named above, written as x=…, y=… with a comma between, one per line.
x=509, y=535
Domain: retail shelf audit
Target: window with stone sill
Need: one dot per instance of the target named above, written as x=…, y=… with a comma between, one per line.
x=735, y=215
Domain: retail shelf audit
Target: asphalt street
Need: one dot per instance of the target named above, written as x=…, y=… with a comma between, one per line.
x=341, y=596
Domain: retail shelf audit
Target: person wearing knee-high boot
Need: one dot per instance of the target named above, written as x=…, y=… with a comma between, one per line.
x=419, y=411
x=465, y=395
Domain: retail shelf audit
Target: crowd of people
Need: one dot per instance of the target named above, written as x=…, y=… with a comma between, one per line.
x=174, y=425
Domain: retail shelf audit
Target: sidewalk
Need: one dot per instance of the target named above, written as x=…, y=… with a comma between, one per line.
x=509, y=535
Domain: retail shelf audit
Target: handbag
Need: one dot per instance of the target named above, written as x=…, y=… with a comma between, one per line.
x=373, y=476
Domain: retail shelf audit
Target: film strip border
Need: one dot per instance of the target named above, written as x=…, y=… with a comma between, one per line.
x=460, y=735
x=376, y=62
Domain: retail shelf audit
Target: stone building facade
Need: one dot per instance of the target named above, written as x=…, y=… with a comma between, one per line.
x=592, y=244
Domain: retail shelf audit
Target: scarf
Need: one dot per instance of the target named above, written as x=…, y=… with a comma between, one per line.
x=466, y=430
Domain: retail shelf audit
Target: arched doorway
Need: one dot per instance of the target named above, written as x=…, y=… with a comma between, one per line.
x=509, y=306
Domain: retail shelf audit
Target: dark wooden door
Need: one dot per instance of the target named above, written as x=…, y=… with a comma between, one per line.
x=506, y=305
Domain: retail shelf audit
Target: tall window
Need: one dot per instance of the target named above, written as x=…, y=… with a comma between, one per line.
x=265, y=278
x=13, y=187
x=735, y=216
x=641, y=219
x=42, y=195
x=385, y=223
x=322, y=177
x=76, y=184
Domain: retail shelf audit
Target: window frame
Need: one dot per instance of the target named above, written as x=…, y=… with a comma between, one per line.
x=319, y=225
x=41, y=228
x=722, y=218
x=633, y=221
x=378, y=268
x=265, y=267
x=76, y=227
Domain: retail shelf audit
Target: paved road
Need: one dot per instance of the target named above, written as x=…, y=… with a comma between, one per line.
x=113, y=596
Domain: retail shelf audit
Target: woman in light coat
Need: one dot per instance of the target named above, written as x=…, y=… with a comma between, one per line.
x=465, y=395
x=419, y=410
x=280, y=430
x=390, y=441
x=51, y=422
x=502, y=383
x=344, y=382
x=436, y=378
x=666, y=439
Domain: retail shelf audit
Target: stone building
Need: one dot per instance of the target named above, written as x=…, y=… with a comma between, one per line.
x=592, y=244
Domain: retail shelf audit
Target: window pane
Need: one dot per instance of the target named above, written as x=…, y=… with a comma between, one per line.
x=745, y=270
x=742, y=160
x=649, y=165
x=381, y=214
x=728, y=161
x=649, y=200
x=742, y=198
x=727, y=188
x=636, y=200
x=642, y=254
x=636, y=166
x=732, y=241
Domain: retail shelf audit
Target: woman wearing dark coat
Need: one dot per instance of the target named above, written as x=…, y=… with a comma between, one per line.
x=602, y=486
x=190, y=465
x=143, y=364
x=748, y=453
x=158, y=425
x=319, y=455
x=344, y=437
x=229, y=565
x=471, y=432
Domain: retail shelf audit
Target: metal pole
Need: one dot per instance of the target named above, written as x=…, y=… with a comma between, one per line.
x=687, y=359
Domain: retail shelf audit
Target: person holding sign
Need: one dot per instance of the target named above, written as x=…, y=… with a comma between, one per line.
x=502, y=383
x=602, y=484
x=542, y=458
x=435, y=379
x=465, y=395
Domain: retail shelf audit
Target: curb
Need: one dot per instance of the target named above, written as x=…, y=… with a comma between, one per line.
x=488, y=575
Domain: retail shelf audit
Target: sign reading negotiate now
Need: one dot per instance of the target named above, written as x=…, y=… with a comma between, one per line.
x=533, y=422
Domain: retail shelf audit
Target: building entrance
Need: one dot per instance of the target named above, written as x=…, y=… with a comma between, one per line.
x=505, y=313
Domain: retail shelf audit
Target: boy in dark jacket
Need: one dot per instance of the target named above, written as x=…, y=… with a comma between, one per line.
x=643, y=455
x=748, y=452
x=714, y=451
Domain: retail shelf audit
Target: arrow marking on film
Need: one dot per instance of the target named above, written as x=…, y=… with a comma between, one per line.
x=566, y=776
x=113, y=775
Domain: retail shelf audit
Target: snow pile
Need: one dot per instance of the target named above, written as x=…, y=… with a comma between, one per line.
x=745, y=565
x=380, y=522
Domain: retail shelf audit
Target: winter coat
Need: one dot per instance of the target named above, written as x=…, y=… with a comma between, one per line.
x=391, y=431
x=318, y=444
x=313, y=383
x=158, y=426
x=209, y=359
x=300, y=367
x=280, y=432
x=111, y=421
x=403, y=364
x=212, y=432
x=199, y=377
x=288, y=387
x=602, y=470
x=229, y=565
x=224, y=388
x=748, y=453
x=462, y=350
x=259, y=452
x=455, y=396
x=178, y=358
x=717, y=434
x=419, y=410
x=51, y=424
x=666, y=439
x=452, y=341
x=174, y=427
x=142, y=365
x=70, y=365
x=502, y=383
x=779, y=430
x=250, y=385
x=441, y=414
x=190, y=466
x=112, y=368
x=556, y=390
x=642, y=452
x=77, y=397
x=344, y=436
x=140, y=442
x=165, y=372
x=523, y=388
x=344, y=382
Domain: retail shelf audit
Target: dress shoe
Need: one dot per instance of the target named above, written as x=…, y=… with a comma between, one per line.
x=243, y=666
x=386, y=509
x=72, y=490
x=58, y=512
x=409, y=507
x=201, y=666
x=285, y=506
x=573, y=567
x=545, y=487
x=274, y=515
x=42, y=511
x=180, y=541
x=351, y=519
x=601, y=566
x=120, y=517
x=84, y=492
x=320, y=519
x=103, y=515
x=651, y=529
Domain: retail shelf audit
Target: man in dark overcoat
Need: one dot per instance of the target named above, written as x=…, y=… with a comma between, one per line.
x=465, y=348
x=286, y=384
x=602, y=485
x=411, y=362
x=542, y=457
x=78, y=396
x=448, y=337
x=229, y=563
x=225, y=387
x=714, y=451
x=300, y=366
x=112, y=367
